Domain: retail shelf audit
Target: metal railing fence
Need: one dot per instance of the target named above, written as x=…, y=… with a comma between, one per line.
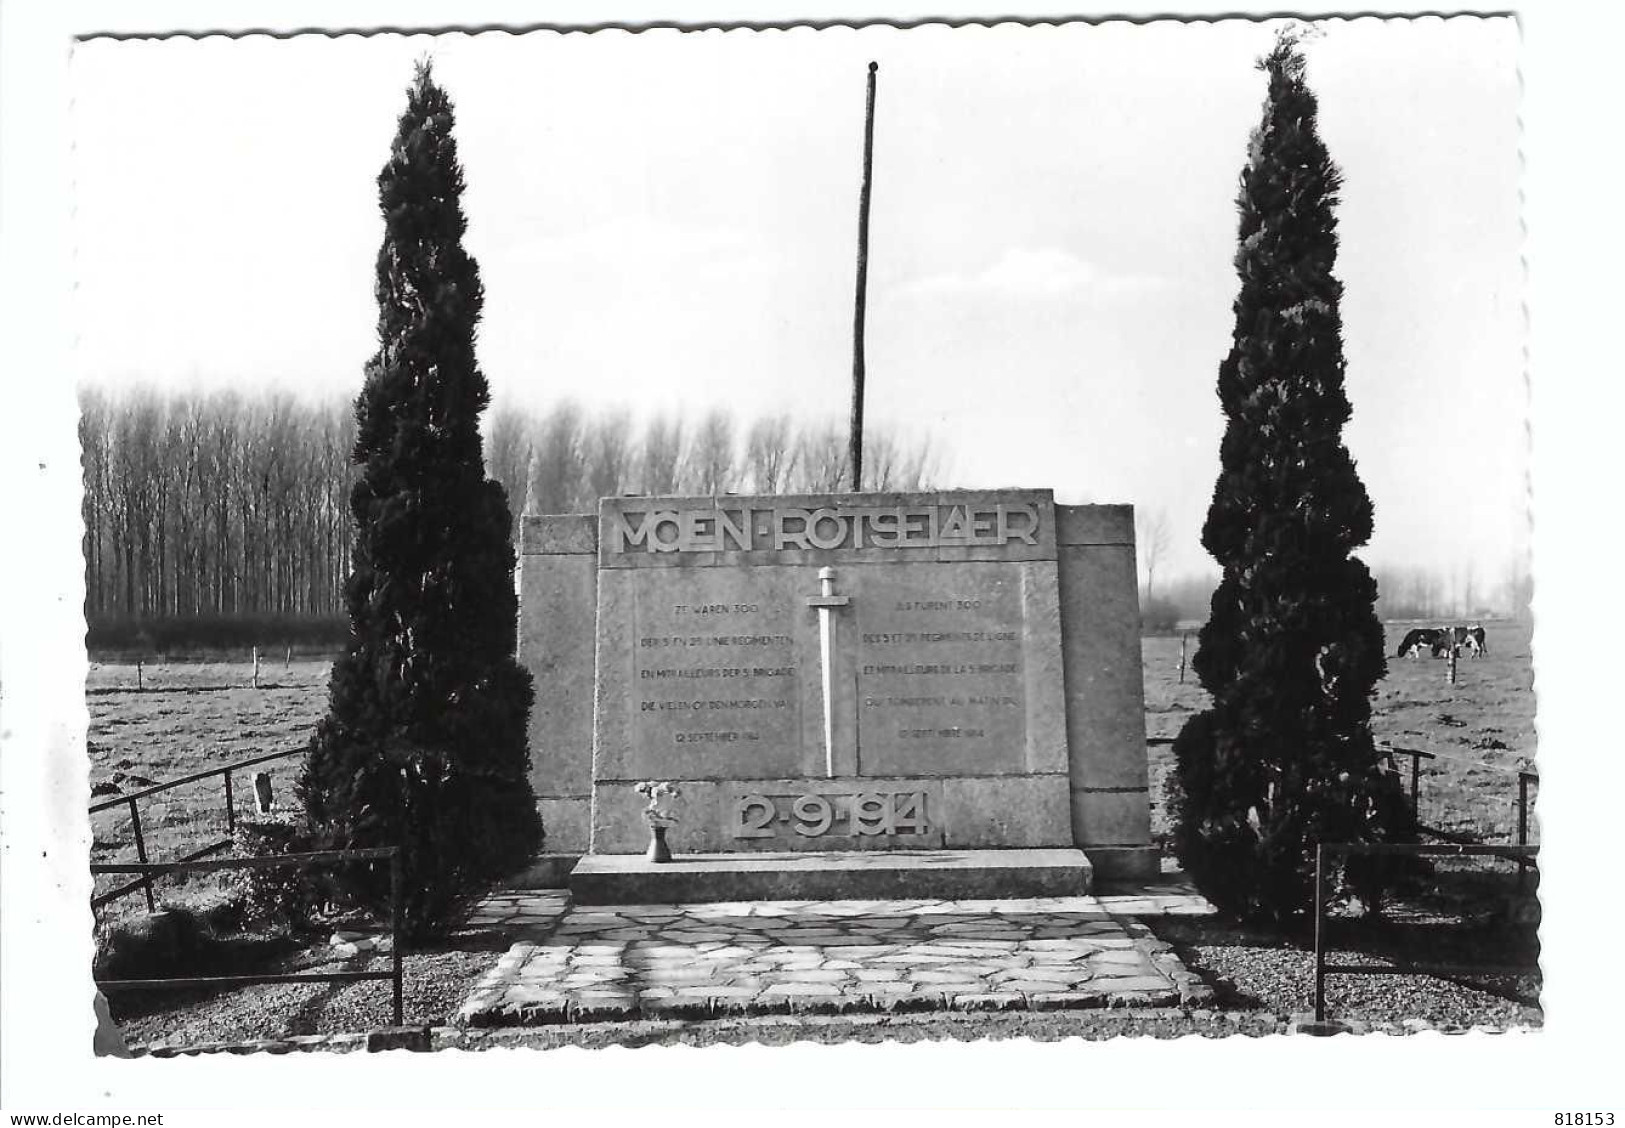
x=1326, y=852
x=1525, y=779
x=379, y=853
x=132, y=800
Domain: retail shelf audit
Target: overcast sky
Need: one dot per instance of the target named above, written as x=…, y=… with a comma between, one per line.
x=667, y=221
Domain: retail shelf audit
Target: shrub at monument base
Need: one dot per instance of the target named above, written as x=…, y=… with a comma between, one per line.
x=1250, y=846
x=1292, y=650
x=285, y=897
x=457, y=831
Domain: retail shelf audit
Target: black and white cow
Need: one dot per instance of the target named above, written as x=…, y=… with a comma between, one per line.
x=1465, y=638
x=1473, y=640
x=1413, y=642
x=1442, y=640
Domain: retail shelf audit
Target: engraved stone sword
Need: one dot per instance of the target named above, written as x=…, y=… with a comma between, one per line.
x=826, y=601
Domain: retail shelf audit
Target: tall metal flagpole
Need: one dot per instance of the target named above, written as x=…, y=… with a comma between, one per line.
x=855, y=437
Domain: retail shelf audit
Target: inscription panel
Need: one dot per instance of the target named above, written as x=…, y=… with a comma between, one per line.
x=940, y=670
x=717, y=675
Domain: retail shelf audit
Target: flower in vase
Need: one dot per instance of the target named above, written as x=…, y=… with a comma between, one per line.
x=661, y=794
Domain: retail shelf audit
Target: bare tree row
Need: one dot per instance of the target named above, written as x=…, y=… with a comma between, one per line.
x=214, y=504
x=1418, y=593
x=227, y=504
x=564, y=459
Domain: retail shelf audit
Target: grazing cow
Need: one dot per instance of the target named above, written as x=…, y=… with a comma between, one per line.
x=1474, y=642
x=263, y=803
x=1451, y=640
x=1416, y=639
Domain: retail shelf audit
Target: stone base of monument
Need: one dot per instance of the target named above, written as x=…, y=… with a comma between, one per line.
x=948, y=875
x=1125, y=863
x=546, y=871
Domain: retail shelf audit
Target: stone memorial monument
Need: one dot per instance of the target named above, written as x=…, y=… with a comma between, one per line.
x=858, y=694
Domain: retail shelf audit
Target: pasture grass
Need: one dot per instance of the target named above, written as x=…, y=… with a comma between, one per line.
x=186, y=718
x=1482, y=728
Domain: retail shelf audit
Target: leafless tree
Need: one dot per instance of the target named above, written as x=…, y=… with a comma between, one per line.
x=96, y=447
x=1518, y=588
x=769, y=454
x=508, y=455
x=891, y=464
x=609, y=457
x=822, y=463
x=1466, y=600
x=1153, y=539
x=708, y=467
x=556, y=461
x=662, y=454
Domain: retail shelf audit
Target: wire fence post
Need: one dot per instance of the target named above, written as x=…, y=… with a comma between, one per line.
x=1320, y=949
x=141, y=853
x=1416, y=782
x=395, y=927
x=231, y=809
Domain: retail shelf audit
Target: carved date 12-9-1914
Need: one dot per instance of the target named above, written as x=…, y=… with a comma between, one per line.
x=863, y=814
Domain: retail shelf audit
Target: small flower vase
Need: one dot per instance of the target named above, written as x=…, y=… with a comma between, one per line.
x=658, y=850
x=659, y=814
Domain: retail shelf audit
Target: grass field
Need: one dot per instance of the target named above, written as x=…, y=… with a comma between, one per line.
x=192, y=716
x=1482, y=728
x=186, y=718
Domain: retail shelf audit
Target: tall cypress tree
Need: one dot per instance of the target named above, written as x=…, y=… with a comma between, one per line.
x=1292, y=650
x=423, y=745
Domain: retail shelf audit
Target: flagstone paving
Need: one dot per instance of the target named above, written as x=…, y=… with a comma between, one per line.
x=576, y=964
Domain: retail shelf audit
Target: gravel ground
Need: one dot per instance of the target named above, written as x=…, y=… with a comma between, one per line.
x=784, y=1030
x=1255, y=971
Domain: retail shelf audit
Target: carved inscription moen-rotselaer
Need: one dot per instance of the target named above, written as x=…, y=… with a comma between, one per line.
x=730, y=528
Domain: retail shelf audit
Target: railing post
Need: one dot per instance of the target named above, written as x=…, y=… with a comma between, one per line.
x=395, y=927
x=231, y=811
x=1523, y=808
x=1320, y=950
x=141, y=855
x=1523, y=828
x=1416, y=782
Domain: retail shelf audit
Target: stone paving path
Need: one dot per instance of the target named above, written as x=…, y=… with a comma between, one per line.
x=589, y=963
